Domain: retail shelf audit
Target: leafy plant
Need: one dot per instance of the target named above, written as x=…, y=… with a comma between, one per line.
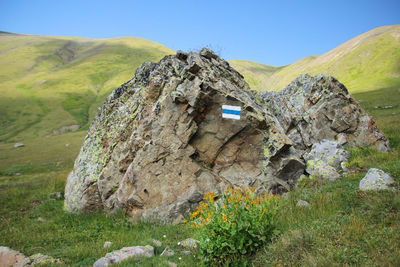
x=237, y=224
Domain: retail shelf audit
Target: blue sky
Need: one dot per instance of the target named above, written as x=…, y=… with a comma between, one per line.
x=270, y=32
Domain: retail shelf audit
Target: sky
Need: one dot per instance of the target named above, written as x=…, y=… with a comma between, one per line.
x=270, y=32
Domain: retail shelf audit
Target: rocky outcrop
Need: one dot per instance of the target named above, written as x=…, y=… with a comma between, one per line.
x=159, y=142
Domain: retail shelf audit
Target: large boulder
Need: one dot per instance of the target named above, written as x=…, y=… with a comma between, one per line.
x=160, y=142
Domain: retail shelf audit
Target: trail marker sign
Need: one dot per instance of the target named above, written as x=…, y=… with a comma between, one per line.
x=231, y=112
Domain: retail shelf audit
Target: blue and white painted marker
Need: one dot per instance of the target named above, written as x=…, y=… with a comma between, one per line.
x=231, y=112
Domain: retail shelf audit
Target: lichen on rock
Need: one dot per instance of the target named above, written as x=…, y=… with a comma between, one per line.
x=159, y=142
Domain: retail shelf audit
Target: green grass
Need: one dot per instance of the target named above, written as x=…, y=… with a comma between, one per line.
x=75, y=239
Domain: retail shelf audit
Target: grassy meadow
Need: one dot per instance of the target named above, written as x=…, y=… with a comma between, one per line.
x=42, y=91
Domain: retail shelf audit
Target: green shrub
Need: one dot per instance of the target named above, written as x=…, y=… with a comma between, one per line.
x=237, y=224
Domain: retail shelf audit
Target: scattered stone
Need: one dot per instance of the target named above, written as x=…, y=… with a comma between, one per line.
x=376, y=179
x=156, y=243
x=344, y=166
x=167, y=122
x=10, y=257
x=41, y=259
x=17, y=174
x=40, y=219
x=57, y=195
x=171, y=264
x=66, y=145
x=325, y=159
x=167, y=252
x=18, y=145
x=341, y=139
x=185, y=252
x=189, y=243
x=125, y=253
x=70, y=128
x=302, y=203
x=179, y=219
x=107, y=244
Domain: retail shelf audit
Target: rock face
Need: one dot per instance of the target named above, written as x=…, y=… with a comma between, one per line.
x=159, y=142
x=10, y=257
x=326, y=159
x=376, y=179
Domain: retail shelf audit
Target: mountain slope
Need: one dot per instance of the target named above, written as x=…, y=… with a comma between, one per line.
x=367, y=62
x=47, y=82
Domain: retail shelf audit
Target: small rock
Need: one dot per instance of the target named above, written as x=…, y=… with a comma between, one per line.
x=41, y=259
x=125, y=253
x=40, y=219
x=167, y=252
x=18, y=145
x=57, y=195
x=344, y=167
x=67, y=145
x=185, y=252
x=179, y=219
x=302, y=203
x=107, y=244
x=10, y=257
x=17, y=174
x=376, y=179
x=341, y=139
x=189, y=243
x=156, y=243
x=171, y=264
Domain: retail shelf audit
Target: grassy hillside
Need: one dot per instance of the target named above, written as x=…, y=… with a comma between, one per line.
x=47, y=82
x=368, y=62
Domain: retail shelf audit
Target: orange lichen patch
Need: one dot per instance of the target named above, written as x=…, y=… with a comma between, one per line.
x=186, y=106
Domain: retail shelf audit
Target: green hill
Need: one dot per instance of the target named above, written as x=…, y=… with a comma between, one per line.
x=368, y=62
x=47, y=82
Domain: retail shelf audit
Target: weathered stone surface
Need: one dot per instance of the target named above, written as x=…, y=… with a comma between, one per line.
x=156, y=243
x=10, y=257
x=41, y=259
x=124, y=254
x=167, y=252
x=107, y=244
x=159, y=142
x=16, y=145
x=302, y=203
x=189, y=243
x=325, y=159
x=376, y=179
x=69, y=128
